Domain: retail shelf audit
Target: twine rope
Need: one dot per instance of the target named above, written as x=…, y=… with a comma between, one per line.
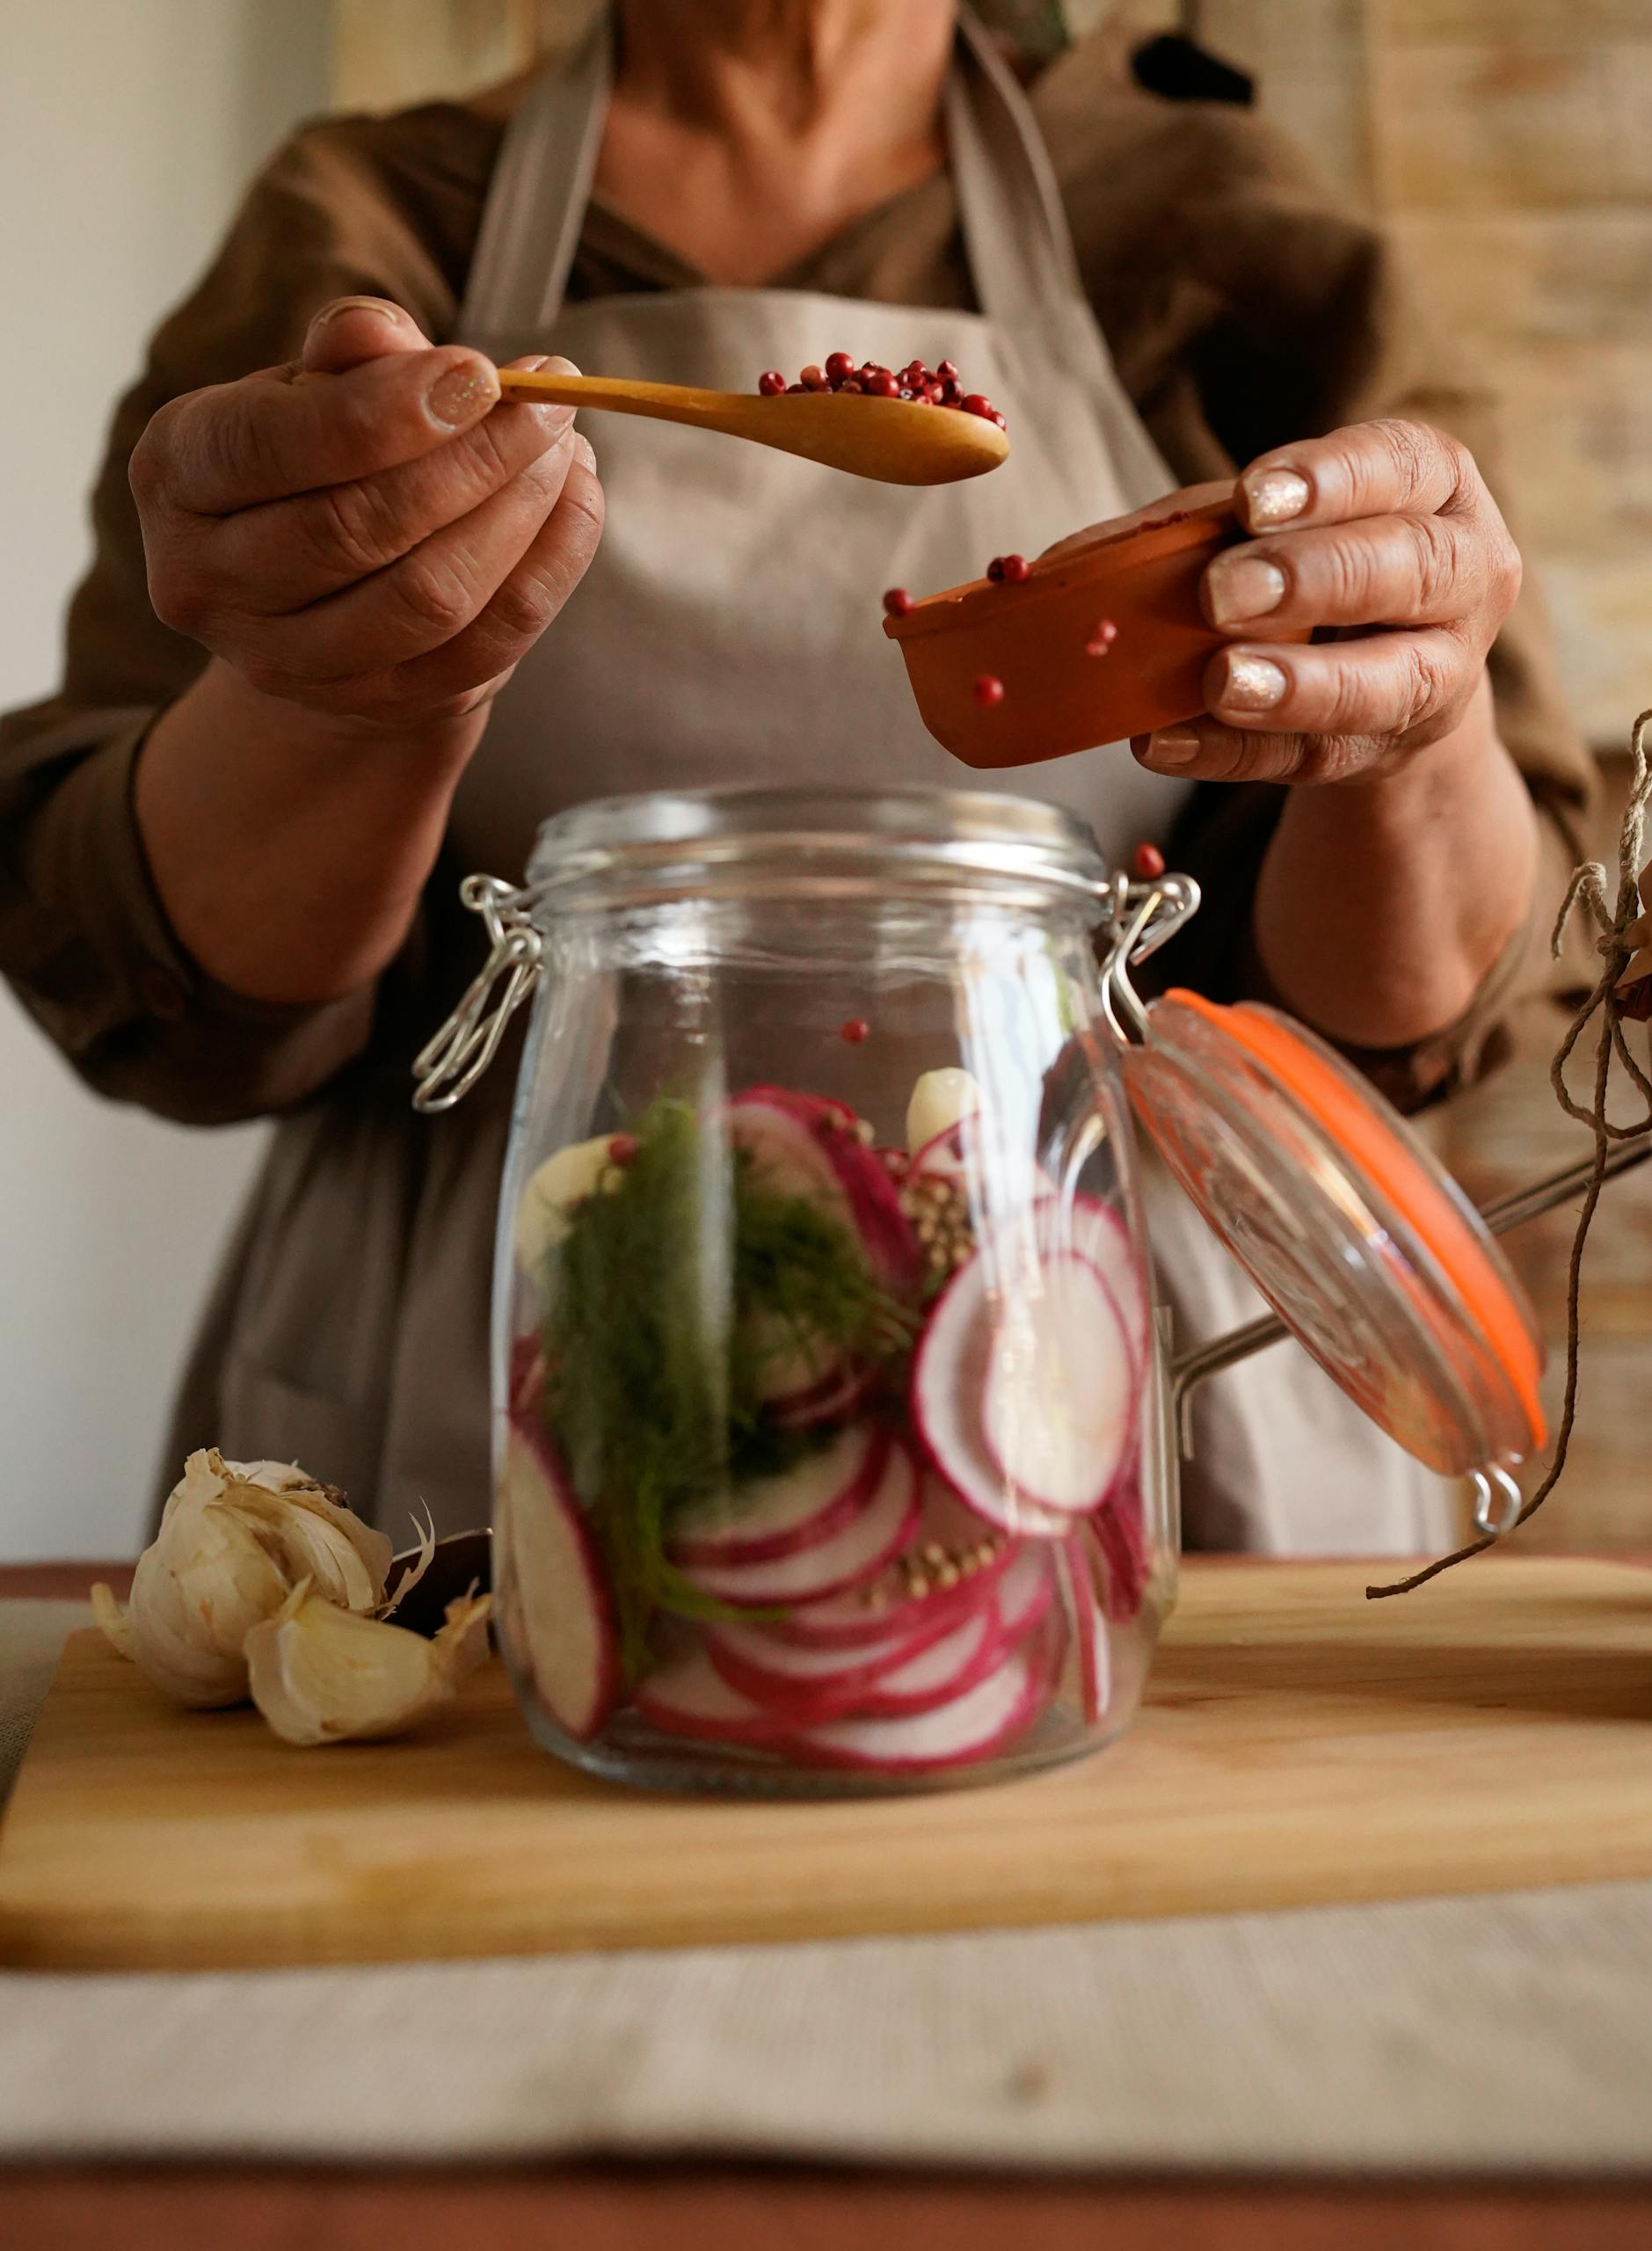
x=1587, y=892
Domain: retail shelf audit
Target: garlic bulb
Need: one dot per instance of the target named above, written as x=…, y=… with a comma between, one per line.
x=939, y=1100
x=552, y=1190
x=234, y=1538
x=320, y=1674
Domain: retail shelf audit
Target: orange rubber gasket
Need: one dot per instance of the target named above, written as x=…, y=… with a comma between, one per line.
x=1362, y=1137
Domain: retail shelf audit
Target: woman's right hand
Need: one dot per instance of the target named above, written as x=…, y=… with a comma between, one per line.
x=379, y=547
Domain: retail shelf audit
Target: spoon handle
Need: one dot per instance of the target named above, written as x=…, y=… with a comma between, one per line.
x=622, y=395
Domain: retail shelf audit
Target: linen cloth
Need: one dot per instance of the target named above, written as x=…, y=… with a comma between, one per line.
x=1510, y=2034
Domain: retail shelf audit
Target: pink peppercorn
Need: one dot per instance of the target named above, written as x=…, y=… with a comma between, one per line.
x=854, y=1029
x=973, y=403
x=1014, y=568
x=814, y=379
x=988, y=690
x=771, y=383
x=1101, y=639
x=838, y=365
x=1147, y=863
x=897, y=602
x=622, y=1149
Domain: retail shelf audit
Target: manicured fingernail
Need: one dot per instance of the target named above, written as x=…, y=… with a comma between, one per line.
x=1274, y=496
x=582, y=452
x=1170, y=749
x=340, y=306
x=1252, y=683
x=460, y=394
x=1242, y=586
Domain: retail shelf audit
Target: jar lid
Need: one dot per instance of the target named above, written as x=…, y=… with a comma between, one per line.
x=1360, y=1242
x=665, y=843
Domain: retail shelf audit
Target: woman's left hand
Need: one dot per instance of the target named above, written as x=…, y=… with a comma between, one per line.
x=1385, y=533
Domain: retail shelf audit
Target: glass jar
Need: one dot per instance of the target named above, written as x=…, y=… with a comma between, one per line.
x=833, y=1431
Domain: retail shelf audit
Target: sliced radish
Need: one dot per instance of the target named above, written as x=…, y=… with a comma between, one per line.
x=834, y=1401
x=689, y=1696
x=796, y=1361
x=949, y=1374
x=856, y=1551
x=1089, y=1630
x=1121, y=1538
x=1059, y=1405
x=807, y=1685
x=948, y=1568
x=772, y=1517
x=1000, y=1706
x=940, y=1674
x=563, y=1603
x=1098, y=1233
x=775, y=1123
x=1025, y=1591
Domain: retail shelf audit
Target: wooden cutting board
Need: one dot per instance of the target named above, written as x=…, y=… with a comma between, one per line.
x=1299, y=1745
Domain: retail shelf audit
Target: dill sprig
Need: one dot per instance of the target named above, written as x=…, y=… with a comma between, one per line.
x=668, y=1297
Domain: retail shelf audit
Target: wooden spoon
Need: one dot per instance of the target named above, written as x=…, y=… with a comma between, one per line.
x=890, y=439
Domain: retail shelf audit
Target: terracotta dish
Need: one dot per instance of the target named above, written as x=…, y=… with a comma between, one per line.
x=1066, y=683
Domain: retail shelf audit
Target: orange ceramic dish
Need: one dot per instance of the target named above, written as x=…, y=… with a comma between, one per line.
x=1037, y=638
x=1401, y=1174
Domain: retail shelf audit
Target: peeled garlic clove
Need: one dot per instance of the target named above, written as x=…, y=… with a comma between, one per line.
x=552, y=1190
x=320, y=1674
x=939, y=1100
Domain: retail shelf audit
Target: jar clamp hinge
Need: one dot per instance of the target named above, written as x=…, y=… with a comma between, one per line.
x=450, y=1066
x=1140, y=916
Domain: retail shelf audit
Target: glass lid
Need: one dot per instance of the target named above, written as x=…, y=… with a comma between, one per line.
x=1357, y=1237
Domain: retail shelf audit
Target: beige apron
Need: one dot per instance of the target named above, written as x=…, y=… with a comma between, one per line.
x=728, y=632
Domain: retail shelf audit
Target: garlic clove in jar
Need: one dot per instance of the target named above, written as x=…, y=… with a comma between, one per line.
x=553, y=1189
x=319, y=1674
x=234, y=1538
x=939, y=1100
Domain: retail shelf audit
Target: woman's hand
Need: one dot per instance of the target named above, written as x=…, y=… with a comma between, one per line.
x=1385, y=533
x=379, y=547
x=368, y=556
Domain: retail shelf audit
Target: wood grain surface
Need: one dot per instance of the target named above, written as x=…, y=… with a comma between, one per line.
x=1300, y=1745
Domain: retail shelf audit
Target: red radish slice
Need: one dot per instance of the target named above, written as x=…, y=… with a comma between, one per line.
x=976, y=1725
x=1098, y=1231
x=1123, y=1540
x=828, y=1403
x=562, y=1599
x=775, y=1123
x=1025, y=1591
x=1061, y=1394
x=527, y=1378
x=858, y=1551
x=949, y=1569
x=772, y=1517
x=1089, y=1630
x=948, y=1383
x=805, y=1685
x=940, y=1674
x=689, y=1696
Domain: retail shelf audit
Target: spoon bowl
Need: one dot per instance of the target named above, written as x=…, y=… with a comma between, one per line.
x=891, y=440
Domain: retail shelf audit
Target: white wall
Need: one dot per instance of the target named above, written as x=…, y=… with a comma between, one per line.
x=126, y=129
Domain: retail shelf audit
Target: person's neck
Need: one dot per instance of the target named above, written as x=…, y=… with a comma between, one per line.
x=747, y=132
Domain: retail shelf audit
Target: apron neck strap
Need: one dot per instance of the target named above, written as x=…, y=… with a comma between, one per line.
x=541, y=190
x=1015, y=233
x=1015, y=230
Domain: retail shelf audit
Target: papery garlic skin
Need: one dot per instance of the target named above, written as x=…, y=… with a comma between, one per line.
x=235, y=1538
x=322, y=1675
x=939, y=1100
x=550, y=1192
